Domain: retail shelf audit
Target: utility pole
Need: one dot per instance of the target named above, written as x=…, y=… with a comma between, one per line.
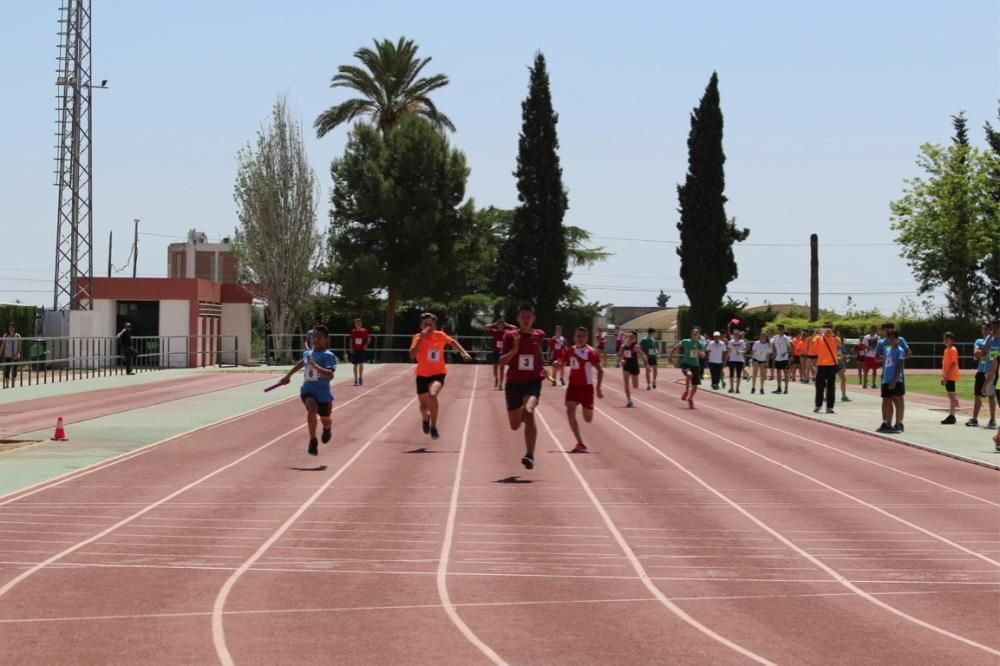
x=813, y=277
x=135, y=247
x=110, y=234
x=74, y=266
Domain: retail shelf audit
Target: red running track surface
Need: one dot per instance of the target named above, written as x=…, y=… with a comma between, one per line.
x=726, y=534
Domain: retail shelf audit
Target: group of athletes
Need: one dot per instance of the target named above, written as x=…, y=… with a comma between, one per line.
x=519, y=369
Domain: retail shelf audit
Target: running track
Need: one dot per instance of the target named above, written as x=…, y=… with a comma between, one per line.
x=727, y=534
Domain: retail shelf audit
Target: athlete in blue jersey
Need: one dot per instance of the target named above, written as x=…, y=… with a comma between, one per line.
x=319, y=364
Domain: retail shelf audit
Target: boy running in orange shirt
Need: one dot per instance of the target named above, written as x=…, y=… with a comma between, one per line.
x=427, y=349
x=949, y=376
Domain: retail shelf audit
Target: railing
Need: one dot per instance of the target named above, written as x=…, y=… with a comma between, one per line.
x=52, y=360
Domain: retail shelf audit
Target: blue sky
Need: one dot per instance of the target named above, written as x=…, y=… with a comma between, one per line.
x=825, y=108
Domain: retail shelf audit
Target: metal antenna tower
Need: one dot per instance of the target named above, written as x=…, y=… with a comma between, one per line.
x=74, y=272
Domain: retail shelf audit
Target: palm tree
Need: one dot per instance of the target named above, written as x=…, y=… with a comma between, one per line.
x=389, y=87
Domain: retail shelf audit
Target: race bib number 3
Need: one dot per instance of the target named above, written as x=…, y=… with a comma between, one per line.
x=434, y=355
x=526, y=362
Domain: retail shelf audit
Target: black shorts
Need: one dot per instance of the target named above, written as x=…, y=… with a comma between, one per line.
x=695, y=372
x=653, y=363
x=736, y=365
x=517, y=393
x=949, y=386
x=631, y=369
x=900, y=390
x=781, y=365
x=756, y=362
x=358, y=357
x=796, y=360
x=424, y=383
x=495, y=358
x=980, y=383
x=322, y=408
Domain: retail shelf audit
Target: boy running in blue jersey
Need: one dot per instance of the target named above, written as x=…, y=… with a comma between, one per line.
x=319, y=364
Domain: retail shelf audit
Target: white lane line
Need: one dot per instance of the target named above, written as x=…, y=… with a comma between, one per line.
x=218, y=631
x=56, y=481
x=637, y=565
x=798, y=549
x=449, y=535
x=855, y=456
x=150, y=507
x=788, y=468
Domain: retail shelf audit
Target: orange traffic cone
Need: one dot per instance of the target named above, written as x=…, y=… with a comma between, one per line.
x=60, y=435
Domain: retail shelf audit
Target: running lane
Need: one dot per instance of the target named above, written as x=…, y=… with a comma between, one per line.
x=921, y=537
x=39, y=413
x=139, y=551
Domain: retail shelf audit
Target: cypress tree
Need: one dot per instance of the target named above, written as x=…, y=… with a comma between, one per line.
x=533, y=264
x=707, y=235
x=991, y=262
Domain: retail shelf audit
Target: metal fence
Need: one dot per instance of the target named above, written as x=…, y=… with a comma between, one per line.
x=51, y=360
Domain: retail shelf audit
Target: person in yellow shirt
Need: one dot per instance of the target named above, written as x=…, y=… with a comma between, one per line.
x=824, y=348
x=427, y=349
x=950, y=374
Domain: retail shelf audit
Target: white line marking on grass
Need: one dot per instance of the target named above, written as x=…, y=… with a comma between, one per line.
x=218, y=631
x=637, y=565
x=783, y=539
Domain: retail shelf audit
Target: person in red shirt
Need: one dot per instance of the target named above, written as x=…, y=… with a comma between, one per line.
x=522, y=354
x=557, y=345
x=359, y=347
x=602, y=346
x=497, y=330
x=585, y=377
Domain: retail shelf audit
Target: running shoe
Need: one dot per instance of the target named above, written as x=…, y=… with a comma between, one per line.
x=684, y=396
x=992, y=425
x=896, y=429
x=885, y=427
x=732, y=390
x=815, y=410
x=562, y=382
x=629, y=404
x=776, y=391
x=973, y=423
x=580, y=448
x=715, y=387
x=785, y=391
x=326, y=435
x=313, y=447
x=654, y=385
x=845, y=399
x=690, y=404
x=949, y=420
x=753, y=389
x=434, y=433
x=649, y=387
x=361, y=382
x=427, y=427
x=528, y=462
x=737, y=390
x=355, y=382
x=829, y=410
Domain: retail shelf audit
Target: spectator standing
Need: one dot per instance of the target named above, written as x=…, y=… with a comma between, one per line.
x=127, y=350
x=949, y=376
x=869, y=352
x=825, y=346
x=359, y=351
x=781, y=349
x=716, y=353
x=10, y=353
x=982, y=357
x=893, y=390
x=737, y=360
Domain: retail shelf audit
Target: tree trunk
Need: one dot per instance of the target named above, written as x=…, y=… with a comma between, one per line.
x=392, y=302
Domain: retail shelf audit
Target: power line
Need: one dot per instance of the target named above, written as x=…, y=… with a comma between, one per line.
x=779, y=292
x=738, y=245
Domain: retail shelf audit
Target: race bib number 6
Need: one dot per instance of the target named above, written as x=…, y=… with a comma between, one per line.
x=526, y=362
x=311, y=374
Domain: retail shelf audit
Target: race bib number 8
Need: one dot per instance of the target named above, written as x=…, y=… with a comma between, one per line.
x=434, y=355
x=526, y=362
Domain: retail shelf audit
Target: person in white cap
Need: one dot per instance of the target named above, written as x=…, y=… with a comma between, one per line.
x=716, y=350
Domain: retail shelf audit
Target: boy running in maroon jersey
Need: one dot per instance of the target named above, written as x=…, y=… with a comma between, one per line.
x=497, y=330
x=522, y=354
x=557, y=346
x=359, y=347
x=584, y=368
x=602, y=346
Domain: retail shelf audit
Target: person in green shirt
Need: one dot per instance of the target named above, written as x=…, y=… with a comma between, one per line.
x=692, y=352
x=650, y=346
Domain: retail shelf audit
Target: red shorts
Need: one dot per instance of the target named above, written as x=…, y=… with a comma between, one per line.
x=871, y=363
x=582, y=394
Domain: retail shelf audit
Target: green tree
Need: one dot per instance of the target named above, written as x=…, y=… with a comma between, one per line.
x=277, y=242
x=943, y=222
x=398, y=222
x=662, y=299
x=707, y=235
x=991, y=263
x=390, y=86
